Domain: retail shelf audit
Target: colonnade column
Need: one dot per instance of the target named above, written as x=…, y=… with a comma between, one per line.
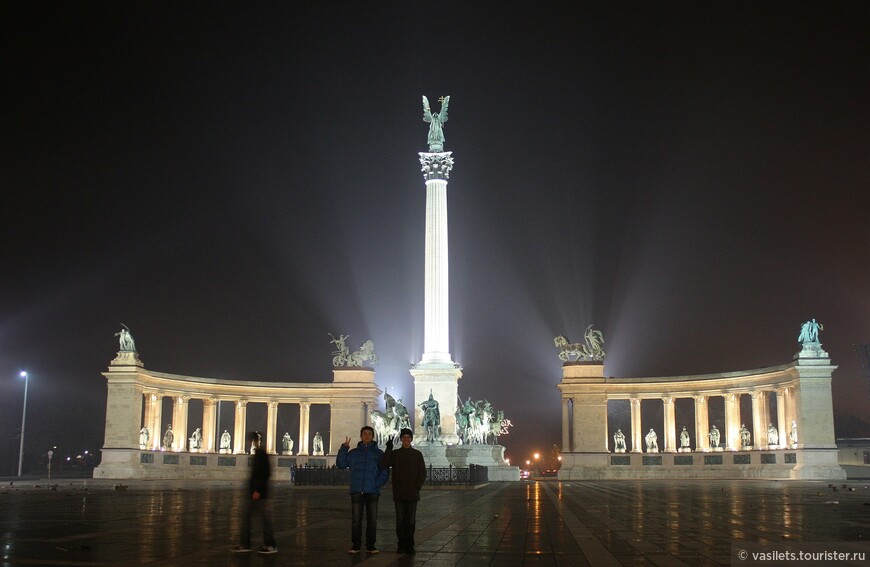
x=702, y=423
x=780, y=418
x=670, y=425
x=181, y=432
x=149, y=412
x=759, y=431
x=566, y=426
x=241, y=418
x=765, y=415
x=304, y=409
x=636, y=434
x=732, y=417
x=156, y=419
x=271, y=426
x=208, y=424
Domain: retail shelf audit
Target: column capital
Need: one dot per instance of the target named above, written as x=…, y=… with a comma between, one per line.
x=305, y=405
x=273, y=404
x=634, y=401
x=436, y=165
x=667, y=400
x=700, y=398
x=241, y=403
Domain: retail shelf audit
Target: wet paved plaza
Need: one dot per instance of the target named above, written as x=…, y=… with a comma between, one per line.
x=595, y=523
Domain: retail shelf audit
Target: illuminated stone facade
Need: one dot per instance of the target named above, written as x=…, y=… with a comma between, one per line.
x=800, y=392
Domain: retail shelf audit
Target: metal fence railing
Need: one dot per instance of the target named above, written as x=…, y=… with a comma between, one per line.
x=435, y=476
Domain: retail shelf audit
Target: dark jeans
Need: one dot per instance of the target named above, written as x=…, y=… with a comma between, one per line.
x=263, y=509
x=370, y=503
x=406, y=523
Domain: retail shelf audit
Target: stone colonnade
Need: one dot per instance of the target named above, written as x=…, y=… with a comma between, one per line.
x=802, y=392
x=786, y=412
x=350, y=396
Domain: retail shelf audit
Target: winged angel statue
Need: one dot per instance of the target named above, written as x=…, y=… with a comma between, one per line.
x=436, y=123
x=592, y=350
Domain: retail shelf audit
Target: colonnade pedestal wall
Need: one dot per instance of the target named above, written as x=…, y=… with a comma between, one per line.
x=799, y=443
x=135, y=399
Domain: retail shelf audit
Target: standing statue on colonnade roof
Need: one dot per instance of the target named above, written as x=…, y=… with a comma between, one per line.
x=810, y=332
x=125, y=339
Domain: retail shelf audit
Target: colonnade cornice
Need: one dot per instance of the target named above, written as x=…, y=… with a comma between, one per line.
x=226, y=390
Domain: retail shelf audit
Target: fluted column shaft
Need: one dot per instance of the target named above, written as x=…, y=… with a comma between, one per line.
x=241, y=421
x=702, y=423
x=636, y=435
x=271, y=426
x=436, y=293
x=304, y=419
x=670, y=426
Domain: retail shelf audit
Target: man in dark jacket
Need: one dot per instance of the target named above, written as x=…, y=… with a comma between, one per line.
x=257, y=500
x=366, y=479
x=409, y=474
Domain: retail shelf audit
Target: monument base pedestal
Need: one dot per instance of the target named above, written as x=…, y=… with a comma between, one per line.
x=460, y=456
x=798, y=464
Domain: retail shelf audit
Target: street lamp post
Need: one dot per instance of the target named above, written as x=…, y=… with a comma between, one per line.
x=23, y=415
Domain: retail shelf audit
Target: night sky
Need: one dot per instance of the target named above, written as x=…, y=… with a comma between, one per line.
x=235, y=182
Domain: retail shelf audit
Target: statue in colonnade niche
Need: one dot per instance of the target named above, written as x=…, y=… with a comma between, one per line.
x=226, y=441
x=287, y=444
x=652, y=442
x=317, y=444
x=685, y=441
x=793, y=434
x=619, y=441
x=168, y=438
x=715, y=436
x=772, y=436
x=196, y=440
x=745, y=437
x=144, y=436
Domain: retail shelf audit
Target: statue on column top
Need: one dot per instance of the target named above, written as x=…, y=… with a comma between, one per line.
x=436, y=123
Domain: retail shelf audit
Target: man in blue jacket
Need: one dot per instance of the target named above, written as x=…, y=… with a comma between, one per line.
x=366, y=479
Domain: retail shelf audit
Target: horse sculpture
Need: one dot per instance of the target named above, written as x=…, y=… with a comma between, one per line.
x=365, y=353
x=591, y=350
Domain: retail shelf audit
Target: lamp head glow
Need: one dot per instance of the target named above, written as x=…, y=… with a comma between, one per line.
x=23, y=374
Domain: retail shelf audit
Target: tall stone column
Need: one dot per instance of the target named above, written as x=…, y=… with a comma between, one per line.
x=271, y=426
x=702, y=423
x=765, y=414
x=636, y=427
x=759, y=429
x=670, y=425
x=241, y=422
x=304, y=418
x=566, y=426
x=209, y=415
x=732, y=419
x=436, y=374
